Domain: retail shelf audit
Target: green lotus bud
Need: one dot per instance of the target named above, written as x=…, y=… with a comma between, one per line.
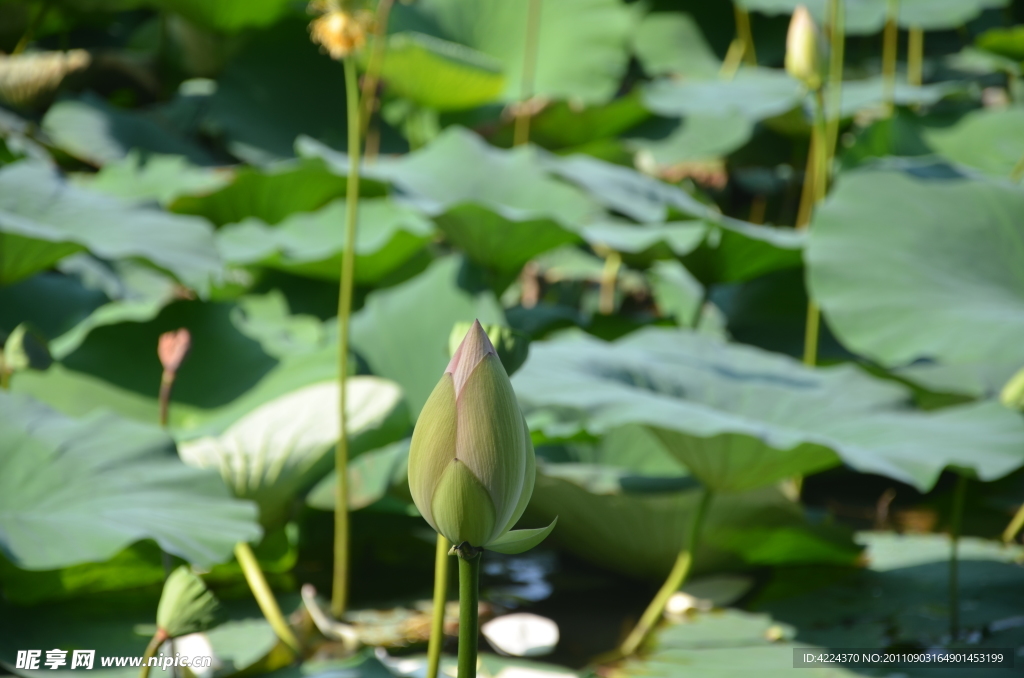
x=512, y=346
x=804, y=49
x=471, y=461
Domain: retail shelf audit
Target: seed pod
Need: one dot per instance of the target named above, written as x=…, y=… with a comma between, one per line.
x=471, y=461
x=805, y=60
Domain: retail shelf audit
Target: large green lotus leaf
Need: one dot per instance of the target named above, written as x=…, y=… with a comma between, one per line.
x=227, y=15
x=699, y=137
x=647, y=241
x=93, y=131
x=869, y=93
x=280, y=449
x=81, y=490
x=439, y=74
x=312, y=243
x=737, y=251
x=498, y=28
x=756, y=93
x=1004, y=42
x=499, y=206
x=157, y=177
x=120, y=625
x=898, y=284
x=904, y=593
x=276, y=88
x=402, y=331
x=371, y=476
x=636, y=525
x=564, y=124
x=865, y=17
x=676, y=292
x=43, y=219
x=671, y=43
x=989, y=140
x=739, y=417
x=272, y=194
x=268, y=319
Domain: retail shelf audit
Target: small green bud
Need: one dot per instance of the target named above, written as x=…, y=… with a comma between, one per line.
x=471, y=461
x=805, y=58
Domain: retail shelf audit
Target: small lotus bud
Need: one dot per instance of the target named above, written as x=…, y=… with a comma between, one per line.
x=172, y=349
x=804, y=49
x=471, y=461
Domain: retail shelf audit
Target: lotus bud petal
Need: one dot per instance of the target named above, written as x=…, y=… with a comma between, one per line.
x=804, y=49
x=471, y=461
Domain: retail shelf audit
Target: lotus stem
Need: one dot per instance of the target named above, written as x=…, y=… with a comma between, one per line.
x=265, y=597
x=676, y=578
x=609, y=274
x=521, y=134
x=154, y=644
x=890, y=50
x=1013, y=529
x=733, y=59
x=956, y=523
x=744, y=34
x=373, y=71
x=469, y=609
x=837, y=40
x=820, y=183
x=166, y=385
x=915, y=56
x=339, y=592
x=440, y=599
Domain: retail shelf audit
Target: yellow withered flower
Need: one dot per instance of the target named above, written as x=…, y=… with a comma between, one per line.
x=339, y=30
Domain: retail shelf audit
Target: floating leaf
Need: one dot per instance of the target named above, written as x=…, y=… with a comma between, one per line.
x=439, y=74
x=280, y=449
x=402, y=331
x=671, y=43
x=740, y=418
x=989, y=140
x=81, y=490
x=43, y=219
x=92, y=130
x=898, y=284
x=498, y=28
x=312, y=244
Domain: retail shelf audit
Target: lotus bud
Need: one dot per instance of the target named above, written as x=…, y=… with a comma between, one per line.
x=804, y=49
x=471, y=461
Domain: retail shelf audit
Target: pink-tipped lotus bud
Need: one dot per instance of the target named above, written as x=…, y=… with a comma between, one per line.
x=471, y=462
x=172, y=349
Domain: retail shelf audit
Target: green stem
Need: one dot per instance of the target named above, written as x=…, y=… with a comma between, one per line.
x=1011, y=531
x=744, y=33
x=440, y=599
x=521, y=134
x=154, y=644
x=609, y=275
x=30, y=31
x=5, y=377
x=1018, y=171
x=374, y=68
x=164, y=399
x=837, y=39
x=890, y=50
x=469, y=606
x=676, y=578
x=820, y=180
x=954, y=561
x=265, y=597
x=915, y=56
x=339, y=594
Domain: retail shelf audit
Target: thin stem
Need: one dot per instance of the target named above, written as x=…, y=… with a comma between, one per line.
x=339, y=597
x=890, y=50
x=733, y=59
x=373, y=71
x=521, y=134
x=744, y=33
x=915, y=56
x=469, y=605
x=609, y=274
x=440, y=599
x=5, y=377
x=154, y=644
x=265, y=597
x=959, y=494
x=821, y=171
x=166, y=384
x=1013, y=529
x=834, y=114
x=676, y=578
x=30, y=31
